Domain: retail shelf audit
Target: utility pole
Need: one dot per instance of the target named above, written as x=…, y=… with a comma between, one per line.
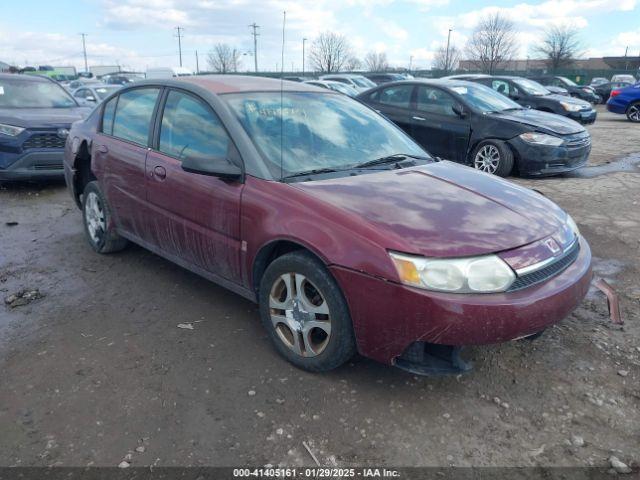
x=626, y=62
x=179, y=35
x=84, y=49
x=197, y=64
x=255, y=44
x=446, y=60
x=304, y=40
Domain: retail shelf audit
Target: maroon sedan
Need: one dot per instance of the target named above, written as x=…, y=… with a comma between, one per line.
x=349, y=236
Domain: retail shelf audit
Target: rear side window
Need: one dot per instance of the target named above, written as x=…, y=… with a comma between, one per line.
x=398, y=96
x=190, y=128
x=107, y=116
x=133, y=115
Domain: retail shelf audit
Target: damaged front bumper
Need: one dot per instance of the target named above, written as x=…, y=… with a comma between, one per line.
x=388, y=317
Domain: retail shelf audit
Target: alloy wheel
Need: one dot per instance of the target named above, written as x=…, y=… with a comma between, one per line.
x=634, y=113
x=487, y=159
x=94, y=216
x=300, y=314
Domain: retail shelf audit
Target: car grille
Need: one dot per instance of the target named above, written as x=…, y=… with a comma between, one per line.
x=578, y=142
x=43, y=140
x=551, y=270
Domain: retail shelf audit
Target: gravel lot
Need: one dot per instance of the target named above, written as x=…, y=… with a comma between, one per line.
x=98, y=366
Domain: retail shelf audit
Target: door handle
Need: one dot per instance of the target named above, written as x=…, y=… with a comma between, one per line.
x=160, y=172
x=420, y=119
x=102, y=149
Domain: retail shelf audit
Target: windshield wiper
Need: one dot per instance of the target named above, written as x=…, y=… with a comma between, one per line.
x=511, y=108
x=314, y=171
x=389, y=159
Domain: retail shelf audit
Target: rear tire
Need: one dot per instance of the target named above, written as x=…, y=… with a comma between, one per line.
x=98, y=222
x=305, y=313
x=633, y=112
x=493, y=156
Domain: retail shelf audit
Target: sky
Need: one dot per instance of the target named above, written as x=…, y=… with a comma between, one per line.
x=138, y=34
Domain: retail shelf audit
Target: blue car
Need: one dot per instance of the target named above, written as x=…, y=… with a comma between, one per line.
x=626, y=101
x=35, y=117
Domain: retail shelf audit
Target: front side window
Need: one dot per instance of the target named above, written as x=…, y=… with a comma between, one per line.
x=133, y=116
x=189, y=128
x=484, y=99
x=500, y=86
x=436, y=101
x=107, y=116
x=27, y=93
x=531, y=87
x=300, y=131
x=397, y=96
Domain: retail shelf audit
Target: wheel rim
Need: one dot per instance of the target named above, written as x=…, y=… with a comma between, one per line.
x=634, y=113
x=487, y=159
x=94, y=215
x=300, y=315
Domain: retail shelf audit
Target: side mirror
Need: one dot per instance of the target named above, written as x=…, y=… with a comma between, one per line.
x=459, y=110
x=212, y=166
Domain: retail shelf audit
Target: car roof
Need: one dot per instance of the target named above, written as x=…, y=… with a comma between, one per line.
x=343, y=75
x=219, y=84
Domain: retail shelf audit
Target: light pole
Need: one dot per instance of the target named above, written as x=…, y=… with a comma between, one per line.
x=446, y=59
x=410, y=63
x=84, y=50
x=304, y=40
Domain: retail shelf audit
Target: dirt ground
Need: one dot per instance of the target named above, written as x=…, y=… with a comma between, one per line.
x=98, y=367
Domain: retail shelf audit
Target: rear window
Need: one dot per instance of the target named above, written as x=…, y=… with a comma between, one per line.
x=132, y=119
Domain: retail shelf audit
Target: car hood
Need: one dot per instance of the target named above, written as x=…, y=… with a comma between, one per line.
x=541, y=121
x=42, y=117
x=442, y=209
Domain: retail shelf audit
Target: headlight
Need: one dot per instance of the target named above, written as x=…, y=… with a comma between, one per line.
x=541, y=139
x=10, y=130
x=485, y=274
x=571, y=107
x=573, y=225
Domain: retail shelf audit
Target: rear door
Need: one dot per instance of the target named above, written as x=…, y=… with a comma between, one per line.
x=395, y=103
x=119, y=152
x=437, y=127
x=196, y=217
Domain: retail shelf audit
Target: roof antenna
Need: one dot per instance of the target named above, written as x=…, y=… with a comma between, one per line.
x=284, y=21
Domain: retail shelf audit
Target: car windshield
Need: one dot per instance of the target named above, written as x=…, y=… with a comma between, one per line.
x=313, y=131
x=484, y=99
x=103, y=92
x=568, y=82
x=24, y=93
x=363, y=82
x=531, y=87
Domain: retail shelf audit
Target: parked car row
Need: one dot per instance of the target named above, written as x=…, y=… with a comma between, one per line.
x=347, y=233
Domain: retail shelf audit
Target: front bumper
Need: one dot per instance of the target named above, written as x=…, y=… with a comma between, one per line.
x=34, y=165
x=389, y=317
x=585, y=117
x=543, y=160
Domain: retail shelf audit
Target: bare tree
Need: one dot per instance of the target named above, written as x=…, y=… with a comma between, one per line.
x=376, y=62
x=223, y=58
x=447, y=61
x=492, y=42
x=352, y=64
x=560, y=46
x=330, y=52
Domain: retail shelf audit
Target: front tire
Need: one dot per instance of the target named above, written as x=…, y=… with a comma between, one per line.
x=305, y=313
x=633, y=112
x=98, y=223
x=493, y=156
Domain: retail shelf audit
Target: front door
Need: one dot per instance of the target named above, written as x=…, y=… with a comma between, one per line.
x=394, y=102
x=437, y=127
x=196, y=217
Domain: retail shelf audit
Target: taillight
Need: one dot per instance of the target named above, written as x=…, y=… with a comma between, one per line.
x=614, y=93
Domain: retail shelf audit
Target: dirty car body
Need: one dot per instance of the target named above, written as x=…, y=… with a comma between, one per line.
x=367, y=225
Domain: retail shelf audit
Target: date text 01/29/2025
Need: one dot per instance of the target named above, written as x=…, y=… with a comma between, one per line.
x=315, y=472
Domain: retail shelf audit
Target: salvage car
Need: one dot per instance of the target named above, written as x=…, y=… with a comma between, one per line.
x=335, y=86
x=35, y=116
x=626, y=101
x=355, y=81
x=91, y=94
x=583, y=92
x=348, y=235
x=529, y=93
x=472, y=124
x=604, y=89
